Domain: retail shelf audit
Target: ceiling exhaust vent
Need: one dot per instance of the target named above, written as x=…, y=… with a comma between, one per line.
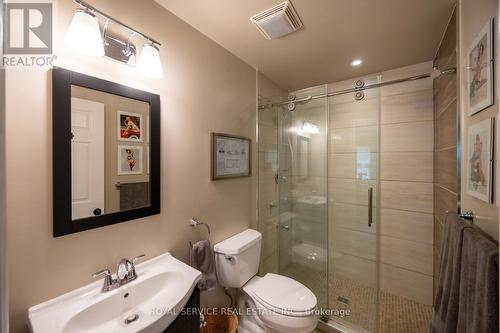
x=278, y=21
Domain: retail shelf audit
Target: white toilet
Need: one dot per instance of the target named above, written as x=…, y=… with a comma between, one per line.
x=273, y=303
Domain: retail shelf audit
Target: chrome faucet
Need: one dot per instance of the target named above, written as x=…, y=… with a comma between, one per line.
x=125, y=273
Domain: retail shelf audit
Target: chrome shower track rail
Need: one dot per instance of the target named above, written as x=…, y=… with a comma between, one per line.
x=351, y=90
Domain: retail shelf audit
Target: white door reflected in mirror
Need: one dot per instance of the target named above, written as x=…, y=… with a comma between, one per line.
x=87, y=158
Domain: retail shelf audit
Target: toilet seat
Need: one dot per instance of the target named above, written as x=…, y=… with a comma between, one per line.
x=282, y=304
x=281, y=295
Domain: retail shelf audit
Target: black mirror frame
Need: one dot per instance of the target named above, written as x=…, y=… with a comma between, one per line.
x=62, y=80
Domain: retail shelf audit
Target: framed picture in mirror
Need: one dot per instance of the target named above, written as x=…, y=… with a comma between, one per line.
x=130, y=126
x=106, y=167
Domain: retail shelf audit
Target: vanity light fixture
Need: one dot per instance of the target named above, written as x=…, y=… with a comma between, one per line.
x=149, y=61
x=85, y=36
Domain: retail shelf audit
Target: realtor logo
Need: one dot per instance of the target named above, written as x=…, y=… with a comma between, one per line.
x=27, y=28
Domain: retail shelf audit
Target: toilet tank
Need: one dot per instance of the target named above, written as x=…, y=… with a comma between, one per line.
x=237, y=258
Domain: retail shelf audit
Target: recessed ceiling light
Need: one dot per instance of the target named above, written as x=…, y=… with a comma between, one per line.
x=356, y=62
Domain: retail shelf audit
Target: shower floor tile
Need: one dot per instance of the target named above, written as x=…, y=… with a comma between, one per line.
x=396, y=314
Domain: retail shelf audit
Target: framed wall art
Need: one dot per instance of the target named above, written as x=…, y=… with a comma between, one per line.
x=231, y=156
x=479, y=160
x=480, y=70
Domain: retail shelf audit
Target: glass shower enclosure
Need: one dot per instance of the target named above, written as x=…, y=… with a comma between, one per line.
x=318, y=187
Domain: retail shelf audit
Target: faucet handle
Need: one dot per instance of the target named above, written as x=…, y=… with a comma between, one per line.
x=137, y=258
x=105, y=272
x=108, y=280
x=132, y=274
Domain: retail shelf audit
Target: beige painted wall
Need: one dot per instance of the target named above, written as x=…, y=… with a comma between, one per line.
x=205, y=89
x=267, y=88
x=473, y=16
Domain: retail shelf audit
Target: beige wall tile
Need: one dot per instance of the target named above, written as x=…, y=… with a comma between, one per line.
x=360, y=244
x=411, y=285
x=410, y=255
x=269, y=265
x=268, y=138
x=436, y=267
x=342, y=165
x=411, y=196
x=438, y=234
x=268, y=218
x=269, y=243
x=417, y=227
x=355, y=139
x=353, y=165
x=348, y=216
x=447, y=87
x=363, y=271
x=268, y=164
x=354, y=114
x=300, y=187
x=406, y=71
x=416, y=136
x=415, y=106
x=406, y=87
x=407, y=166
x=447, y=124
x=309, y=165
x=447, y=169
x=351, y=191
x=446, y=201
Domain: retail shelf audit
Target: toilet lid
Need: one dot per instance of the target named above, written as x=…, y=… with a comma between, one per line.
x=283, y=293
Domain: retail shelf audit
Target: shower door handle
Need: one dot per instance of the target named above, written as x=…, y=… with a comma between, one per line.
x=370, y=206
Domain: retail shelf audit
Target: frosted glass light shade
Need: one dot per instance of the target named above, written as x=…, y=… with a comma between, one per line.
x=84, y=34
x=149, y=62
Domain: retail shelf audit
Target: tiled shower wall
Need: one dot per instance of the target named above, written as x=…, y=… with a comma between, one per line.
x=445, y=137
x=406, y=177
x=406, y=173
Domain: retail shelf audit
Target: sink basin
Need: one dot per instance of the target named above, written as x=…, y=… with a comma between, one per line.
x=148, y=304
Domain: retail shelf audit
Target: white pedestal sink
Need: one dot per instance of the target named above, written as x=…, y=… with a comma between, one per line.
x=148, y=304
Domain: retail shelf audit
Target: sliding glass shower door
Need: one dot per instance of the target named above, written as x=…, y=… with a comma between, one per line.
x=302, y=179
x=318, y=187
x=353, y=186
x=328, y=176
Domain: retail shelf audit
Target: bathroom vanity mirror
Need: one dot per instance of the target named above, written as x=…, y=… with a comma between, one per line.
x=106, y=152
